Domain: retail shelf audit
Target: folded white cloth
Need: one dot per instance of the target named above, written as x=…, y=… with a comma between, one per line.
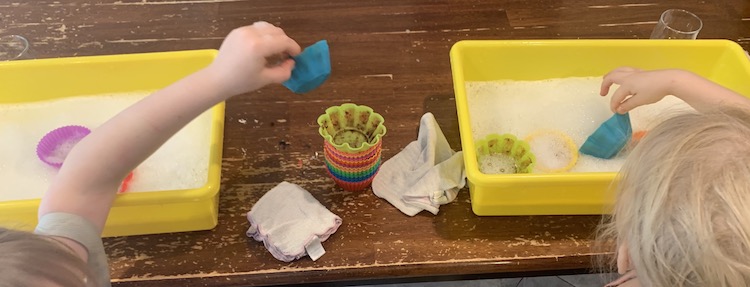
x=427, y=173
x=291, y=223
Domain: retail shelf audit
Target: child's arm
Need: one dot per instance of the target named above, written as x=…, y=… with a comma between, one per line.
x=88, y=180
x=639, y=88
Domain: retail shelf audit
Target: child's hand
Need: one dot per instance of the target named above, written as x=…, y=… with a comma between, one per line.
x=241, y=65
x=637, y=87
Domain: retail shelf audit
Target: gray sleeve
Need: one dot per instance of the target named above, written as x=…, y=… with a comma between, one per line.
x=79, y=229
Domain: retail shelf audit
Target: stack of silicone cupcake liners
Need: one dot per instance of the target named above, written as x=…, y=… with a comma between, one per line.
x=352, y=186
x=342, y=161
x=352, y=167
x=352, y=144
x=356, y=174
x=351, y=175
x=346, y=156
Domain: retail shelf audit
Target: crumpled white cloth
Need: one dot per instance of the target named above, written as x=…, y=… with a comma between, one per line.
x=427, y=173
x=291, y=223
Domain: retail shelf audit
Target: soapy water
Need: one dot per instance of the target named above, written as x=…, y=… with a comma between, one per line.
x=556, y=152
x=571, y=106
x=497, y=164
x=181, y=163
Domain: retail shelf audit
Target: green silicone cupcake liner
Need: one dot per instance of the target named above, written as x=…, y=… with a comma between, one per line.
x=507, y=145
x=351, y=128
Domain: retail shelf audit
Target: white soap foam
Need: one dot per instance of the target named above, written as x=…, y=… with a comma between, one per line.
x=497, y=164
x=181, y=163
x=551, y=151
x=572, y=106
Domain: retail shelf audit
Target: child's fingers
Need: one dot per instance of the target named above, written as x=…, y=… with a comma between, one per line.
x=626, y=69
x=615, y=77
x=265, y=27
x=627, y=106
x=280, y=73
x=606, y=84
x=293, y=48
x=622, y=98
x=272, y=30
x=280, y=45
x=277, y=40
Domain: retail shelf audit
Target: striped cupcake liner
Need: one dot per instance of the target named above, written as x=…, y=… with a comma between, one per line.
x=352, y=186
x=353, y=169
x=353, y=176
x=352, y=164
x=346, y=156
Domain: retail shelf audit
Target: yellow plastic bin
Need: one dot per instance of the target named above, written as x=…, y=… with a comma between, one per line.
x=721, y=61
x=137, y=212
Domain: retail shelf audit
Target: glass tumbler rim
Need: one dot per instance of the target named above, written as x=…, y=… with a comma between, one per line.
x=663, y=20
x=14, y=37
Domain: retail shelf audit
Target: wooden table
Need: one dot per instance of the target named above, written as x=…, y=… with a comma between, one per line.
x=390, y=55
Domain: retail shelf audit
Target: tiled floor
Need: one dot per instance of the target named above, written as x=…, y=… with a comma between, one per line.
x=585, y=280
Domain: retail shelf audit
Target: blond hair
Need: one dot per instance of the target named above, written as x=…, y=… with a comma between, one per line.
x=28, y=259
x=683, y=202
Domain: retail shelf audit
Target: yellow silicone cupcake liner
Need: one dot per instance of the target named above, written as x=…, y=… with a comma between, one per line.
x=504, y=154
x=351, y=128
x=559, y=145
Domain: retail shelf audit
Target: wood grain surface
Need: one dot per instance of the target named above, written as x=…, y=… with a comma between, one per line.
x=390, y=55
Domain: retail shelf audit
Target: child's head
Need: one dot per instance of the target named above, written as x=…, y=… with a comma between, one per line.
x=28, y=259
x=682, y=213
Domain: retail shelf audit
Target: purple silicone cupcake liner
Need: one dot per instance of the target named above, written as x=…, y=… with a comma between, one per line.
x=54, y=147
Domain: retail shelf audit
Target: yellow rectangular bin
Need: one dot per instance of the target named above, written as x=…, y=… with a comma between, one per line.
x=137, y=212
x=721, y=61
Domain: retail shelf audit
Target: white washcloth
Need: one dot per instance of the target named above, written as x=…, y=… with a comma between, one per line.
x=291, y=223
x=424, y=175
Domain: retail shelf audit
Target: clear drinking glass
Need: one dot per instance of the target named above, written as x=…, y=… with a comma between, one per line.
x=677, y=24
x=13, y=47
